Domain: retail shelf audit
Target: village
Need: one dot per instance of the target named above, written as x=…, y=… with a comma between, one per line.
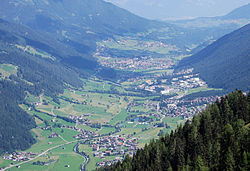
x=184, y=107
x=177, y=87
x=19, y=156
x=134, y=64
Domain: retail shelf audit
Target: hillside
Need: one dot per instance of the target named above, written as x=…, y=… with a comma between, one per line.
x=28, y=64
x=87, y=17
x=225, y=63
x=217, y=139
x=15, y=123
x=79, y=24
x=241, y=12
x=233, y=20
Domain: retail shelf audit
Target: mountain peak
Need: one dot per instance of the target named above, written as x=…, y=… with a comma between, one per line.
x=239, y=13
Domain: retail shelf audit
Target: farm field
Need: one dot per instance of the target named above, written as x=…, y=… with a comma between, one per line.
x=62, y=158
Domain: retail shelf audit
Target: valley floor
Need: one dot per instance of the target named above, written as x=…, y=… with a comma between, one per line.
x=103, y=121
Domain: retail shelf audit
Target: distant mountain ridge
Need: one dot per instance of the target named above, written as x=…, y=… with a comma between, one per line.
x=226, y=62
x=90, y=19
x=241, y=12
x=77, y=25
x=234, y=19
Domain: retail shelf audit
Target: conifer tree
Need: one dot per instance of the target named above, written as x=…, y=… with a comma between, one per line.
x=217, y=139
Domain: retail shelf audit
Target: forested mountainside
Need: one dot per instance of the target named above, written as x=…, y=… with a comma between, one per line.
x=37, y=62
x=87, y=17
x=216, y=139
x=79, y=24
x=225, y=63
x=26, y=68
x=15, y=123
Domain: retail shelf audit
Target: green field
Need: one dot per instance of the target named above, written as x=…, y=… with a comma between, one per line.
x=173, y=121
x=196, y=90
x=119, y=117
x=7, y=69
x=62, y=156
x=106, y=130
x=34, y=51
x=5, y=163
x=130, y=43
x=88, y=150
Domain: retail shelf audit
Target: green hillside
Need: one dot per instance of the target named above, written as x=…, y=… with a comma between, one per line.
x=225, y=63
x=216, y=139
x=15, y=123
x=26, y=68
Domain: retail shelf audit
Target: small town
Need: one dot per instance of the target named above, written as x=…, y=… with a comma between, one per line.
x=134, y=64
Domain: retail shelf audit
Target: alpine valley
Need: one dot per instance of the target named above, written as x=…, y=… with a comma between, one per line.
x=85, y=84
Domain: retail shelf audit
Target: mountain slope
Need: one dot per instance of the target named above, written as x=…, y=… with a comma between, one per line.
x=226, y=62
x=28, y=64
x=217, y=139
x=239, y=13
x=15, y=123
x=233, y=20
x=54, y=15
x=77, y=24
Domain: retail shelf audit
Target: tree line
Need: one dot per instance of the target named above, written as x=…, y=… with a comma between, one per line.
x=216, y=139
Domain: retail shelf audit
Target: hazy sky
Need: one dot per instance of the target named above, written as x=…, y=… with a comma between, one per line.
x=166, y=9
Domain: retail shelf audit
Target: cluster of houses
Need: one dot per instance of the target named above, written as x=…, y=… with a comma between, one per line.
x=178, y=84
x=80, y=119
x=108, y=162
x=19, y=156
x=187, y=82
x=184, y=107
x=83, y=133
x=150, y=105
x=113, y=145
x=86, y=134
x=135, y=63
x=53, y=135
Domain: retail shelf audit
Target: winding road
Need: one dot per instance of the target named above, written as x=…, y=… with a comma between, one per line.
x=86, y=158
x=41, y=154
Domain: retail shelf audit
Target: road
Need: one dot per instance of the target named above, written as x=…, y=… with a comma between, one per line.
x=62, y=138
x=39, y=155
x=86, y=158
